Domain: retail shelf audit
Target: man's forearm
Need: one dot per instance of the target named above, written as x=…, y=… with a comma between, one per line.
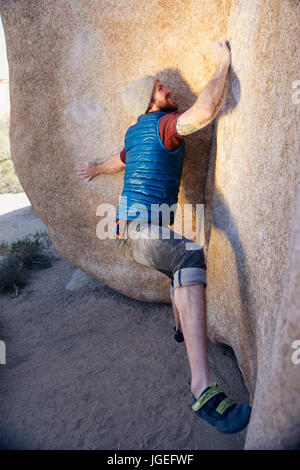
x=207, y=106
x=213, y=94
x=112, y=165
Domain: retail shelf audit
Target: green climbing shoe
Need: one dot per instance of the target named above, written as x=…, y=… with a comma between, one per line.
x=220, y=411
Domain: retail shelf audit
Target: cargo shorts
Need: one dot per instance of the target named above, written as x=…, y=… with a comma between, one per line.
x=159, y=247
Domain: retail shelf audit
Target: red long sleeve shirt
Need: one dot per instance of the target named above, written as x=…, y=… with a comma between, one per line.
x=168, y=134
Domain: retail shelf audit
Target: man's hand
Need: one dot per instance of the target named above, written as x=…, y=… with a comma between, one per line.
x=87, y=170
x=221, y=54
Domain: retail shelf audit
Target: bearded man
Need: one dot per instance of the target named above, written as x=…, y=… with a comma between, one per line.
x=153, y=158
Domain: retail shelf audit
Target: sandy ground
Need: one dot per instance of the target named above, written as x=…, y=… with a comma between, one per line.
x=88, y=368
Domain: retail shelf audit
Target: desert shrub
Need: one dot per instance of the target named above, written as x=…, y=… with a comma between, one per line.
x=20, y=257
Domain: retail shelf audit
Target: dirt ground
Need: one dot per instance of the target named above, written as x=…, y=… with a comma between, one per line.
x=89, y=368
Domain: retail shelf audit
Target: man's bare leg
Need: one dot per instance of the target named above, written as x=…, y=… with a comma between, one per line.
x=190, y=303
x=176, y=314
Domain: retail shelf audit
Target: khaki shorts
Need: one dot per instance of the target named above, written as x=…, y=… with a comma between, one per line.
x=159, y=247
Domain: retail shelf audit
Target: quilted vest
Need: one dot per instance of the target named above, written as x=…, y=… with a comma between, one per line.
x=152, y=173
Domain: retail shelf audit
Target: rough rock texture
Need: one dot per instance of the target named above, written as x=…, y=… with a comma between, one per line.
x=253, y=255
x=68, y=62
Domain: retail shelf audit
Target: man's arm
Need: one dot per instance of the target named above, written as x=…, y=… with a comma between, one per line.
x=211, y=98
x=91, y=169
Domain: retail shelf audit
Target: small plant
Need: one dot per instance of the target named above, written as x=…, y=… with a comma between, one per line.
x=20, y=257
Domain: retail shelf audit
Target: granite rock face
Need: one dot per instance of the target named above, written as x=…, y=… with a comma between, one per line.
x=253, y=208
x=68, y=62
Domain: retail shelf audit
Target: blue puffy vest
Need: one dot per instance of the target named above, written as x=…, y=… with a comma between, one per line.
x=152, y=173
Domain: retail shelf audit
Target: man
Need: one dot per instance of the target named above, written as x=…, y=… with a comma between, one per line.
x=153, y=159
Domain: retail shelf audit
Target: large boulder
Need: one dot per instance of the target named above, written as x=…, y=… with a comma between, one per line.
x=253, y=194
x=68, y=62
